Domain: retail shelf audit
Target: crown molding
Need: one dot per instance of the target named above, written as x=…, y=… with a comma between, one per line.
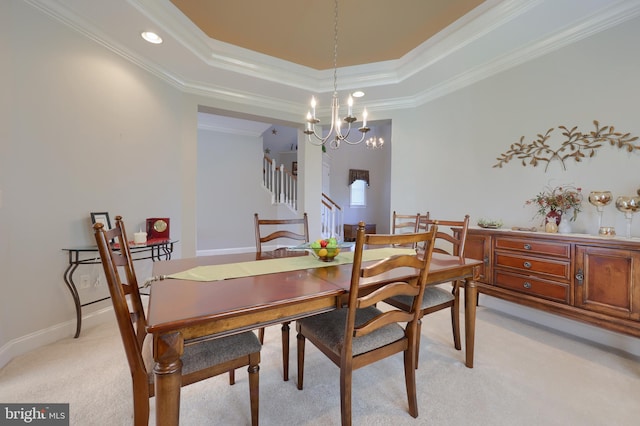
x=485, y=22
x=224, y=56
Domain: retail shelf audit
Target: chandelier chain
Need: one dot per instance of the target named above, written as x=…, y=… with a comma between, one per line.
x=335, y=47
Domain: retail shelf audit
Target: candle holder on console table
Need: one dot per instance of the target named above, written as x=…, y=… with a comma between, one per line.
x=600, y=199
x=628, y=206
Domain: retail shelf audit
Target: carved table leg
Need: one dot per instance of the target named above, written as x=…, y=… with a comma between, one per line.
x=470, y=297
x=285, y=350
x=167, y=350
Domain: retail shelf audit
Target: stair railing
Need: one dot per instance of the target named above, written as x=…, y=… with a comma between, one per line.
x=332, y=218
x=280, y=182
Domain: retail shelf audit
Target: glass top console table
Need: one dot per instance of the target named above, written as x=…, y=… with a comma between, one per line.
x=154, y=249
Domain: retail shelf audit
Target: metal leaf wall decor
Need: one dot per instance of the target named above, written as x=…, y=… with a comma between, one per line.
x=578, y=145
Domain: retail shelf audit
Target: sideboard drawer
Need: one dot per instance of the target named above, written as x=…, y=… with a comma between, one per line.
x=533, y=265
x=532, y=246
x=534, y=286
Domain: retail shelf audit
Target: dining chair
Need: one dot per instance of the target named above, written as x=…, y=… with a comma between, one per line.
x=450, y=239
x=359, y=334
x=200, y=360
x=405, y=223
x=274, y=230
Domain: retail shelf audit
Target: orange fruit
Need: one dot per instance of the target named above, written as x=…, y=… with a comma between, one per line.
x=322, y=252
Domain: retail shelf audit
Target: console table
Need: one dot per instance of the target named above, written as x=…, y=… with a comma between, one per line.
x=584, y=277
x=157, y=249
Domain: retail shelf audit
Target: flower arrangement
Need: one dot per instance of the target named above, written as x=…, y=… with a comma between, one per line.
x=560, y=199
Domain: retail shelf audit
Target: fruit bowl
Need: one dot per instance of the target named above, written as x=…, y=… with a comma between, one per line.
x=326, y=254
x=324, y=249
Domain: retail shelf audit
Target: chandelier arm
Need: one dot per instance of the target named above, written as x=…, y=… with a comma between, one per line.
x=321, y=140
x=355, y=142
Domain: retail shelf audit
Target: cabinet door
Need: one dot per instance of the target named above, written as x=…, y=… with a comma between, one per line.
x=478, y=247
x=607, y=280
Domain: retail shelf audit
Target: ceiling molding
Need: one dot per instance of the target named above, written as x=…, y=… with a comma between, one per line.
x=588, y=27
x=482, y=27
x=230, y=125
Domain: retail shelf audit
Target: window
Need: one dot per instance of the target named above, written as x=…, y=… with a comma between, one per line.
x=358, y=193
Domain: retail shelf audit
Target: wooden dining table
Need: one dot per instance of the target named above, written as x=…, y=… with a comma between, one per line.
x=183, y=311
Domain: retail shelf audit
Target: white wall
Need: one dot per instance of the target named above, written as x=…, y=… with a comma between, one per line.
x=378, y=163
x=227, y=162
x=87, y=131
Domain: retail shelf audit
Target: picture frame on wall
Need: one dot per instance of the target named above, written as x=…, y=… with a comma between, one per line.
x=101, y=217
x=294, y=168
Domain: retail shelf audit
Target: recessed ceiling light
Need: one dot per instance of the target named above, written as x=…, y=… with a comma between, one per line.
x=358, y=94
x=151, y=37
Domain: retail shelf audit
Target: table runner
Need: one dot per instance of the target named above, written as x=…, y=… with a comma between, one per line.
x=284, y=264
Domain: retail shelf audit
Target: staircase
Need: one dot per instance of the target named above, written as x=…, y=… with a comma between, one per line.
x=281, y=183
x=283, y=187
x=332, y=219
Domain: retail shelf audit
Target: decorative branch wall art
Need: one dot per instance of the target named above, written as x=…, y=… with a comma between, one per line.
x=578, y=145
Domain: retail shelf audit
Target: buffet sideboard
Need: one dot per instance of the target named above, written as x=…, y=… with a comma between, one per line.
x=584, y=277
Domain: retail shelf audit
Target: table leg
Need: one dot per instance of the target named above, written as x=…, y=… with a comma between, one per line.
x=470, y=296
x=167, y=350
x=68, y=280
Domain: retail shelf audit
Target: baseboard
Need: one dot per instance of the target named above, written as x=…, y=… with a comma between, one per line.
x=600, y=336
x=29, y=342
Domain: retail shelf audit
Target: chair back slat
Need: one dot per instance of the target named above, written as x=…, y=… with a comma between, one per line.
x=386, y=292
x=406, y=223
x=264, y=229
x=381, y=321
x=451, y=237
x=403, y=223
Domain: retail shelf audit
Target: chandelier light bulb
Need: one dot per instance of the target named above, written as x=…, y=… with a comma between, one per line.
x=374, y=142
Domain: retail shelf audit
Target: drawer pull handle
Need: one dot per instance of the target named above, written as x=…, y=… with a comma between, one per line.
x=527, y=246
x=527, y=284
x=580, y=276
x=527, y=264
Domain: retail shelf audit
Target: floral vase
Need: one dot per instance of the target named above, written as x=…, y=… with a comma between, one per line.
x=554, y=215
x=564, y=227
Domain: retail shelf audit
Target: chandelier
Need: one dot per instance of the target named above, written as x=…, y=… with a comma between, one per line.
x=374, y=142
x=336, y=134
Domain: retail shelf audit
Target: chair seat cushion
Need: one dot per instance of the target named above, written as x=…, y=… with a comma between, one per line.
x=433, y=296
x=329, y=328
x=203, y=354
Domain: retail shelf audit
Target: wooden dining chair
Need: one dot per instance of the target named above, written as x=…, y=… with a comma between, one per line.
x=405, y=223
x=200, y=360
x=359, y=334
x=273, y=231
x=450, y=239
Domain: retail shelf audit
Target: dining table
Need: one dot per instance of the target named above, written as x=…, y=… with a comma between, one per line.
x=184, y=310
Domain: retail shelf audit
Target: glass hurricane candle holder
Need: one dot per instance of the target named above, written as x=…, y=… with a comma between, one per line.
x=600, y=199
x=628, y=206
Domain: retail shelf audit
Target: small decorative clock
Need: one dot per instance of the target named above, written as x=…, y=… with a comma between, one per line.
x=158, y=227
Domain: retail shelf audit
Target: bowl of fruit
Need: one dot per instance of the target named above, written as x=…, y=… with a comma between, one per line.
x=325, y=249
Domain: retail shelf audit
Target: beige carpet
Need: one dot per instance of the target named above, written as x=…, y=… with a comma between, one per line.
x=523, y=375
